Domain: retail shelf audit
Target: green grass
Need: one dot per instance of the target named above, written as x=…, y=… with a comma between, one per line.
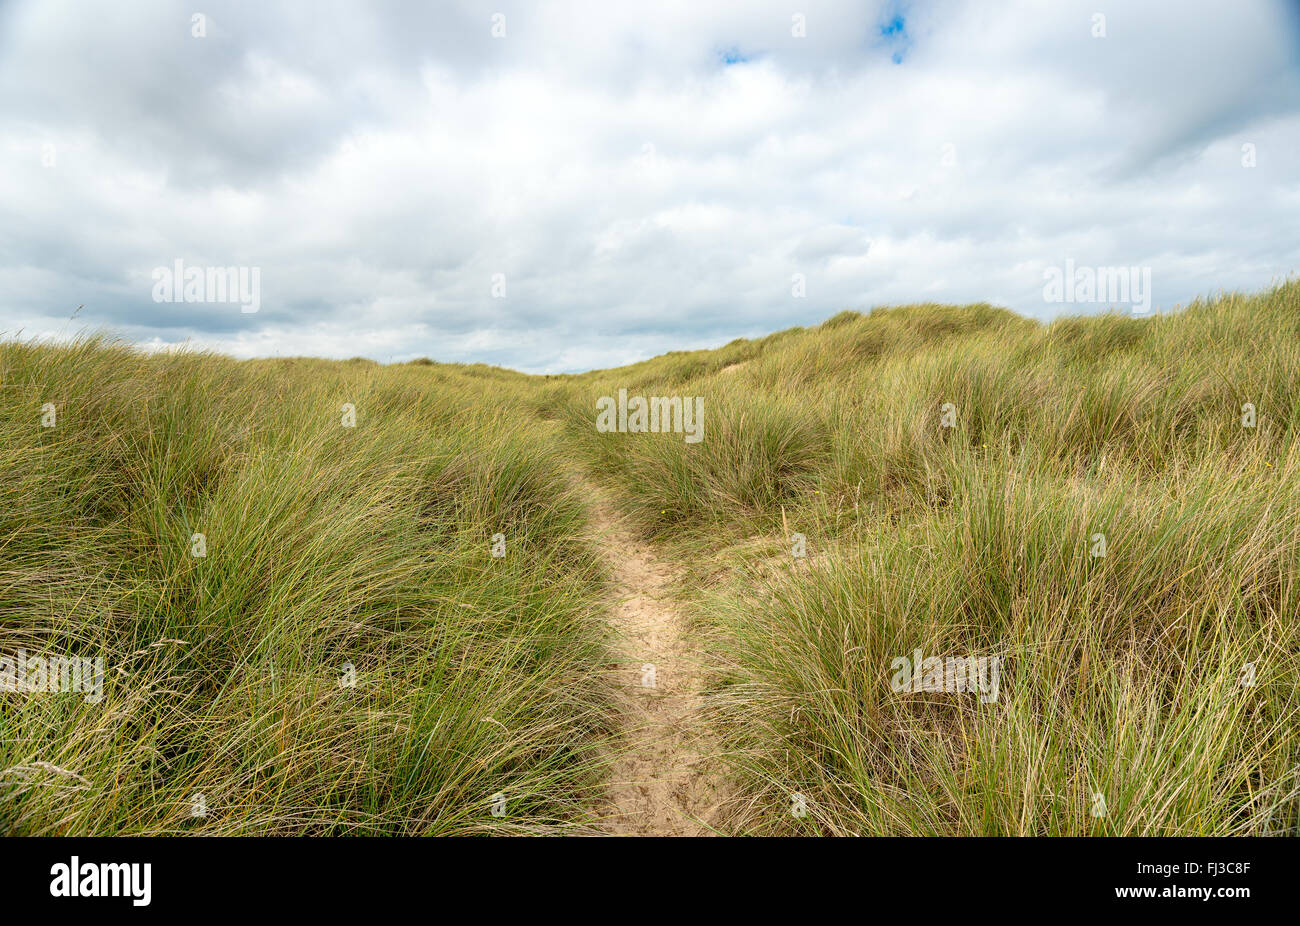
x=326, y=546
x=1121, y=675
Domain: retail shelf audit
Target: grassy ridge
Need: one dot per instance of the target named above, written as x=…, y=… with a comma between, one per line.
x=327, y=546
x=1122, y=679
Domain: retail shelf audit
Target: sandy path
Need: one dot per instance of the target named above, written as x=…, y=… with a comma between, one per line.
x=659, y=786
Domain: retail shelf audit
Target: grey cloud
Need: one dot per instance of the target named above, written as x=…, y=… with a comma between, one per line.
x=380, y=162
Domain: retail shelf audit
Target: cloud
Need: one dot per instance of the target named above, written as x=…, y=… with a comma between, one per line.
x=605, y=182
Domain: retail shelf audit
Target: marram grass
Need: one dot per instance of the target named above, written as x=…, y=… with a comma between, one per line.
x=1148, y=690
x=333, y=554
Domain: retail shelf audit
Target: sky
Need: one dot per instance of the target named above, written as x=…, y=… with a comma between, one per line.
x=566, y=186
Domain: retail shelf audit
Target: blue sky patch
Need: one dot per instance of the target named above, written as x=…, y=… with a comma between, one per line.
x=893, y=34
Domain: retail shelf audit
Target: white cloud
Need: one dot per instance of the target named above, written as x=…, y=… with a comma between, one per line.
x=381, y=162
